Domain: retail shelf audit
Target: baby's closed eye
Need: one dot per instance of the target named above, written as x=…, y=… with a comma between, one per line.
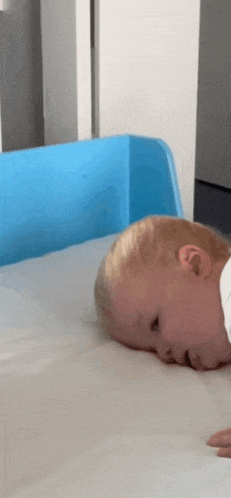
x=155, y=324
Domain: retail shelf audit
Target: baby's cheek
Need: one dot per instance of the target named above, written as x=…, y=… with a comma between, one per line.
x=126, y=315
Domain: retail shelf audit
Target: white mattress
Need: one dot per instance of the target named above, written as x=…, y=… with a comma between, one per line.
x=85, y=417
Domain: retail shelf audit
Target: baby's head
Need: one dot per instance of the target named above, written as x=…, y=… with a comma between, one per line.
x=157, y=290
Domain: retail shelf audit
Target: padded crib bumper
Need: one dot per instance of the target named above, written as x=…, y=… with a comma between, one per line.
x=56, y=196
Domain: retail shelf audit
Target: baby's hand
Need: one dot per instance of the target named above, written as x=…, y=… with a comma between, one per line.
x=222, y=440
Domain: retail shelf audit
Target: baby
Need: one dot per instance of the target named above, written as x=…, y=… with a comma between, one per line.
x=158, y=290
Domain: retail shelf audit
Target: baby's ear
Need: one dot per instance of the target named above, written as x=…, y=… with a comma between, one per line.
x=192, y=258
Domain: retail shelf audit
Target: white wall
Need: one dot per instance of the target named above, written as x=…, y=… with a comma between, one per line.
x=148, y=70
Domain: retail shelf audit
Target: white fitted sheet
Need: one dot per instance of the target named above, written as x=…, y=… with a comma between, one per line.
x=85, y=417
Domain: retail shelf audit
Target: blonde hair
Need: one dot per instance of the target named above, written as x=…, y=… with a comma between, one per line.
x=148, y=244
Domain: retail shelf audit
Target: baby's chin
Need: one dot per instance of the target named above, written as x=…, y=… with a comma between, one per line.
x=196, y=366
x=209, y=366
x=215, y=358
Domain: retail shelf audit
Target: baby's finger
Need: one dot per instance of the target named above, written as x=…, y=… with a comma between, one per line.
x=224, y=452
x=220, y=439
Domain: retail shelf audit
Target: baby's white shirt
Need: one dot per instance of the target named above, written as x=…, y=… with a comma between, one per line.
x=225, y=292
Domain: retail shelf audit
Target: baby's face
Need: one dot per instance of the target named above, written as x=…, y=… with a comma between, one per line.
x=177, y=316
